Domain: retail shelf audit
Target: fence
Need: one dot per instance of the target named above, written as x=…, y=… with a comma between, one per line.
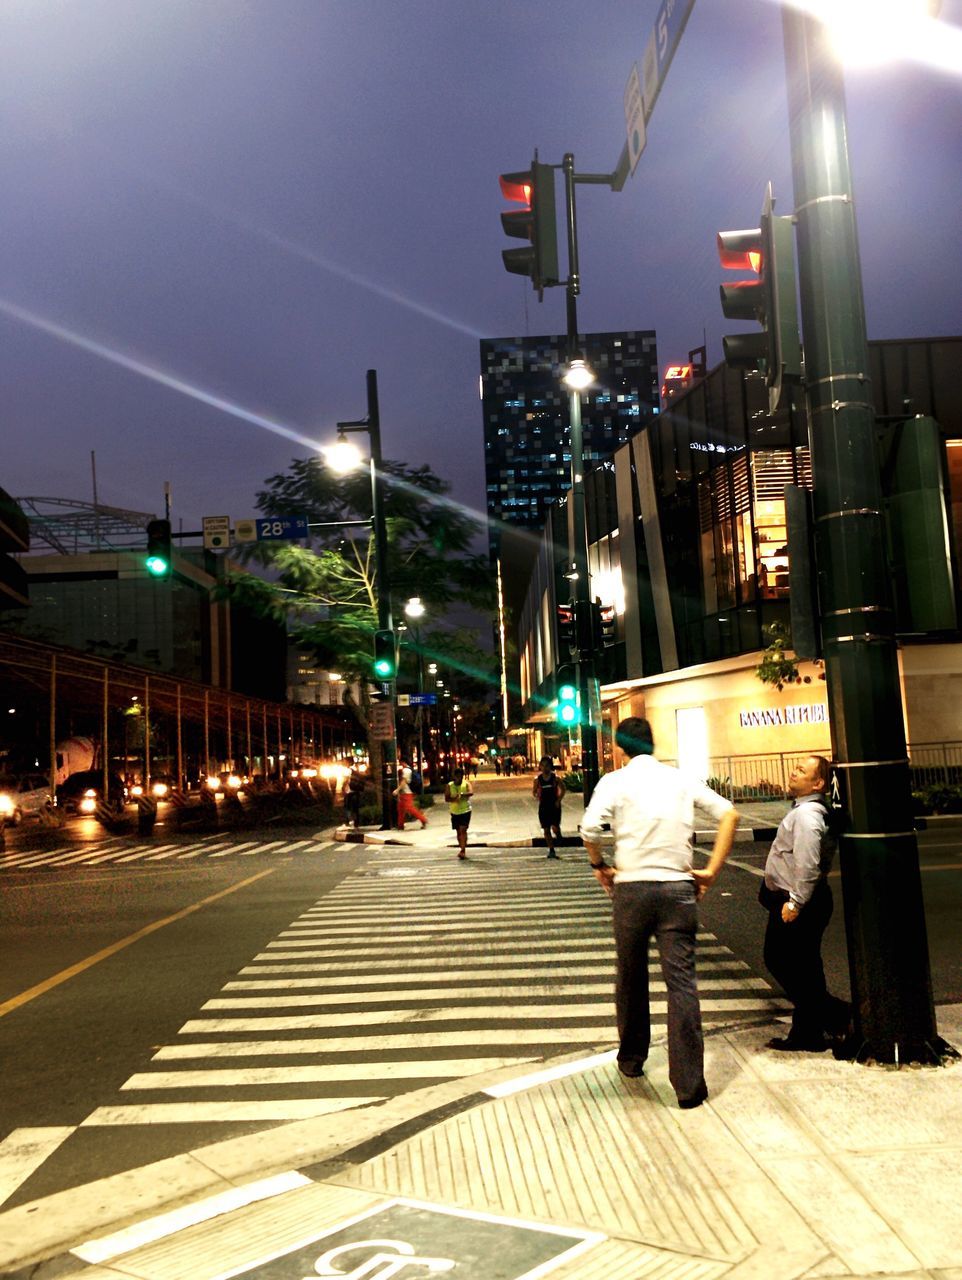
x=765, y=777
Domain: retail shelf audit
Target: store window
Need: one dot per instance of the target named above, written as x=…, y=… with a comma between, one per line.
x=954, y=456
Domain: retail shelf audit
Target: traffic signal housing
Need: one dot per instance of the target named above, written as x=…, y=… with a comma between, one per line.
x=566, y=629
x=771, y=299
x=14, y=536
x=536, y=222
x=385, y=655
x=568, y=713
x=159, y=558
x=603, y=625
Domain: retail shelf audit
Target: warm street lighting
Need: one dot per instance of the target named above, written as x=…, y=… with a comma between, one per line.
x=578, y=375
x=432, y=668
x=343, y=456
x=414, y=608
x=868, y=32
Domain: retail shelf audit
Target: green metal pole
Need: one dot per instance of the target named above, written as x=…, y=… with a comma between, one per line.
x=578, y=545
x=881, y=884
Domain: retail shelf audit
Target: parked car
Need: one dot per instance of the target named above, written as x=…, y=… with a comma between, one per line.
x=82, y=791
x=22, y=794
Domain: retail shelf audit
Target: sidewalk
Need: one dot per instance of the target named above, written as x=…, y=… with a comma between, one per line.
x=505, y=816
x=797, y=1166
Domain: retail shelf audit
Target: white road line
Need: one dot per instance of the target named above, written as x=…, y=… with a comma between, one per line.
x=535, y=1013
x=397, y=925
x=344, y=1072
x=138, y=856
x=222, y=1112
x=398, y=918
x=233, y=848
x=405, y=968
x=534, y=990
x=360, y=955
x=59, y=855
x=262, y=848
x=166, y=1224
x=432, y=1040
x=23, y=1151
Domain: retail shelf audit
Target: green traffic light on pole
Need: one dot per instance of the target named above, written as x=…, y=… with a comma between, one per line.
x=158, y=559
x=568, y=713
x=385, y=655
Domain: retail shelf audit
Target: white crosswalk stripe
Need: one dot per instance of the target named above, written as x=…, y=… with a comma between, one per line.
x=121, y=851
x=371, y=993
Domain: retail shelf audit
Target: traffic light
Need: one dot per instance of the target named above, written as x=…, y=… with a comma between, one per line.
x=385, y=655
x=536, y=223
x=603, y=625
x=771, y=299
x=14, y=536
x=566, y=629
x=158, y=560
x=568, y=713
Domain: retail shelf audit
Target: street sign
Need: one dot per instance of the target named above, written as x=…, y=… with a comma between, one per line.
x=669, y=25
x=281, y=528
x=634, y=118
x=417, y=699
x=245, y=530
x=380, y=722
x=216, y=532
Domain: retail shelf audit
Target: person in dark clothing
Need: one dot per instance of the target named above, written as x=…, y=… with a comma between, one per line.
x=549, y=790
x=796, y=894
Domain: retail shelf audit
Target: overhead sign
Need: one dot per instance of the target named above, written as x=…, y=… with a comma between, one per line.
x=634, y=118
x=281, y=528
x=245, y=531
x=216, y=532
x=669, y=25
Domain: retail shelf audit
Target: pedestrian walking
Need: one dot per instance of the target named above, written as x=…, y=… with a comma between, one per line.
x=353, y=789
x=406, y=804
x=797, y=897
x=653, y=886
x=549, y=791
x=458, y=793
x=497, y=766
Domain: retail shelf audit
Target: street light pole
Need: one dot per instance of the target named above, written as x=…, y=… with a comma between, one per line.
x=372, y=425
x=884, y=914
x=578, y=536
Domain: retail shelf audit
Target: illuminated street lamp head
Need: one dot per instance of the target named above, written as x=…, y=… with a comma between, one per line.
x=868, y=32
x=578, y=375
x=343, y=456
x=414, y=608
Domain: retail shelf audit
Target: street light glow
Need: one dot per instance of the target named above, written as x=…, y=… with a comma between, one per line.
x=414, y=608
x=343, y=456
x=865, y=33
x=578, y=376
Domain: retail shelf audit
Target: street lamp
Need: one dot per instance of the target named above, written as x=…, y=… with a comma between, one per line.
x=344, y=456
x=579, y=376
x=414, y=610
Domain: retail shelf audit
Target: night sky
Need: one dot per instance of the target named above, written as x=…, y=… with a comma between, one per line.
x=258, y=200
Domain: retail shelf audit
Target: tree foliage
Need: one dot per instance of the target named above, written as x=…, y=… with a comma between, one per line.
x=326, y=591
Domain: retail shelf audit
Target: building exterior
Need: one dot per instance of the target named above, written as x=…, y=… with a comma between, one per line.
x=526, y=442
x=688, y=542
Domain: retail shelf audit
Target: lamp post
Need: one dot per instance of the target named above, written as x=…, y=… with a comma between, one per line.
x=339, y=457
x=884, y=914
x=414, y=612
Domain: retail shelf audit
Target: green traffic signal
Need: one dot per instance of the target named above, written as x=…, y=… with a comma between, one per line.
x=385, y=655
x=158, y=559
x=568, y=713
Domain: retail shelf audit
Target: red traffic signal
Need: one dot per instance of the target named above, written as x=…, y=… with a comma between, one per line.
x=536, y=222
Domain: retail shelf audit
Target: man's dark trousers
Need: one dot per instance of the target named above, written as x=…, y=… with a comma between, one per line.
x=793, y=956
x=665, y=910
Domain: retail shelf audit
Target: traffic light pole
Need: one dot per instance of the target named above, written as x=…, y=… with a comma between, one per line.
x=578, y=537
x=884, y=916
x=372, y=425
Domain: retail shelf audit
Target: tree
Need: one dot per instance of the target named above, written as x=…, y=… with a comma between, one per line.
x=326, y=591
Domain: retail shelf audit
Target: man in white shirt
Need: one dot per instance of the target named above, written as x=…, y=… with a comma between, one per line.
x=798, y=900
x=653, y=886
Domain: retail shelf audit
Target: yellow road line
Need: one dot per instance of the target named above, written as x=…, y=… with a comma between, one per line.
x=49, y=983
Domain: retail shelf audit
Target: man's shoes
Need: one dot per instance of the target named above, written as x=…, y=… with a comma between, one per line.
x=462, y=855
x=631, y=1068
x=696, y=1099
x=794, y=1044
x=551, y=854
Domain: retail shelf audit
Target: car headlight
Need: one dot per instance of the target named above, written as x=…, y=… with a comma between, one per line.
x=213, y=782
x=7, y=806
x=136, y=789
x=160, y=788
x=89, y=803
x=234, y=782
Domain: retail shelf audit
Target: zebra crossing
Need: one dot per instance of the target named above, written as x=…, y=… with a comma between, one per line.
x=414, y=970
x=122, y=851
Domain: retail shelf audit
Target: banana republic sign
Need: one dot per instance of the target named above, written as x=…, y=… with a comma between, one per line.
x=772, y=717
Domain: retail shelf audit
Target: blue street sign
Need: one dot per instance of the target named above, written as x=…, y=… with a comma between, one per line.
x=669, y=25
x=423, y=700
x=281, y=528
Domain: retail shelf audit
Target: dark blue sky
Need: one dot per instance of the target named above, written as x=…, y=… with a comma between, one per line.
x=263, y=198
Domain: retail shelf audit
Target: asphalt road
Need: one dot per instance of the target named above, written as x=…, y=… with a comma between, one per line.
x=103, y=965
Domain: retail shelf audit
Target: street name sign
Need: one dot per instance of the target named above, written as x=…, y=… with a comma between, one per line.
x=417, y=699
x=634, y=118
x=281, y=528
x=216, y=532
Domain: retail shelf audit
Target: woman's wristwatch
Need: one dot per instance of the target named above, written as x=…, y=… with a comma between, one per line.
x=596, y=866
